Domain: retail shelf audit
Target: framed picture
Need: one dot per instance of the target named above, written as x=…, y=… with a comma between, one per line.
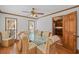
x=10, y=26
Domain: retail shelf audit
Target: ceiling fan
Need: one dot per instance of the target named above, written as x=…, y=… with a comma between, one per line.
x=34, y=13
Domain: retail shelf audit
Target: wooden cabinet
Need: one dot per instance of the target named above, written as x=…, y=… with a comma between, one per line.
x=57, y=26
x=65, y=30
x=66, y=27
x=69, y=31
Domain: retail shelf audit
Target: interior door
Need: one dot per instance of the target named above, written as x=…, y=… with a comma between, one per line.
x=69, y=31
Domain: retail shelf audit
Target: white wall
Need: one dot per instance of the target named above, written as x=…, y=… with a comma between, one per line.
x=45, y=24
x=78, y=29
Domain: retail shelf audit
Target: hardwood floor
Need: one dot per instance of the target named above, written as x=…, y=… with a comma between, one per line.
x=9, y=50
x=61, y=50
x=13, y=50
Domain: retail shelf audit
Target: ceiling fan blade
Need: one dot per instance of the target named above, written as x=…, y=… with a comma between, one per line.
x=39, y=13
x=26, y=11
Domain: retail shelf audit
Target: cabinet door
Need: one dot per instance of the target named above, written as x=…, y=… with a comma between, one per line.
x=69, y=31
x=65, y=30
x=72, y=31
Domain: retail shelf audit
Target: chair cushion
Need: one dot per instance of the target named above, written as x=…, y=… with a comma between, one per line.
x=54, y=38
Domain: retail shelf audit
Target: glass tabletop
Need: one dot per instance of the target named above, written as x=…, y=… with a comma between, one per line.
x=38, y=40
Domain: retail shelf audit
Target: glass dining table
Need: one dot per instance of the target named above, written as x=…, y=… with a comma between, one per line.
x=38, y=40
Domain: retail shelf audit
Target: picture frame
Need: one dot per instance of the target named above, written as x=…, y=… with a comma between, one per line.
x=11, y=26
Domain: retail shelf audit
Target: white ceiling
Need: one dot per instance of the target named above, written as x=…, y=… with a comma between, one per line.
x=46, y=9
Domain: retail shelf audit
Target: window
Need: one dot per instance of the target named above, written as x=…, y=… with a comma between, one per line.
x=31, y=28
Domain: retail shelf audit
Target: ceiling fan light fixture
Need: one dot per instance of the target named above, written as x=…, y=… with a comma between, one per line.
x=34, y=15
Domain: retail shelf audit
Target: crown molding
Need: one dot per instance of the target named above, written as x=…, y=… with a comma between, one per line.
x=59, y=11
x=16, y=15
